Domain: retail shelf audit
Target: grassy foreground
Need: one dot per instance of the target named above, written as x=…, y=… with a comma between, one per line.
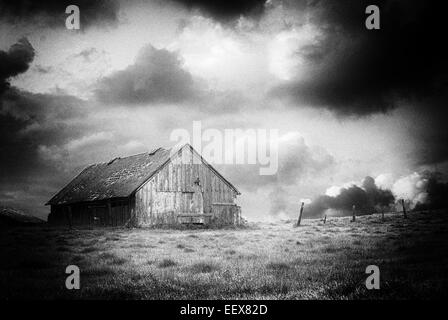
x=263, y=261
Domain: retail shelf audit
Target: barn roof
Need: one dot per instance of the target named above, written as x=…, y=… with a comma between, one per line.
x=118, y=178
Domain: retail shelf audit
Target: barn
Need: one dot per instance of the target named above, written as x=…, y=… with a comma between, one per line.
x=158, y=188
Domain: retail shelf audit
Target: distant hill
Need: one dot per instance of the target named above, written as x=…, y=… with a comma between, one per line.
x=14, y=217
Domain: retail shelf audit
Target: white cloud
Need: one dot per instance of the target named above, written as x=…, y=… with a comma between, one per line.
x=411, y=188
x=221, y=56
x=385, y=181
x=333, y=191
x=285, y=61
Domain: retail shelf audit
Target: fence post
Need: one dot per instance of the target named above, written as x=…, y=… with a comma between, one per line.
x=404, y=208
x=300, y=214
x=353, y=213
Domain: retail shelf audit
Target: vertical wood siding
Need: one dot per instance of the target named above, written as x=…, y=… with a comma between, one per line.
x=93, y=214
x=169, y=193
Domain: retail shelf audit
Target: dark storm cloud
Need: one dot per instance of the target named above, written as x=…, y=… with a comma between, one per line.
x=226, y=10
x=52, y=12
x=428, y=131
x=156, y=76
x=29, y=120
x=358, y=72
x=15, y=61
x=437, y=191
x=366, y=198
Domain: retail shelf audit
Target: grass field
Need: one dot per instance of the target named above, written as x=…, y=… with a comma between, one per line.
x=262, y=261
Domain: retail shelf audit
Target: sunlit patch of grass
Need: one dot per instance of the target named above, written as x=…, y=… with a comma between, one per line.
x=97, y=271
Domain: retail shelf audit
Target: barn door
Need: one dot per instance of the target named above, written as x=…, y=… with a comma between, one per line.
x=187, y=198
x=197, y=202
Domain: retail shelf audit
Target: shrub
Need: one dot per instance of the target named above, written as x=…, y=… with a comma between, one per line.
x=204, y=267
x=278, y=266
x=166, y=263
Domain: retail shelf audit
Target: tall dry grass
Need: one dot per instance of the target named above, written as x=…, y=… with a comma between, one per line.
x=264, y=261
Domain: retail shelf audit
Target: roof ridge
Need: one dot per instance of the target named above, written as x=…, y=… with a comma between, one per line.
x=127, y=157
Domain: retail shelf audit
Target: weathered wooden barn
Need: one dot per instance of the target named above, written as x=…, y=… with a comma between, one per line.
x=159, y=188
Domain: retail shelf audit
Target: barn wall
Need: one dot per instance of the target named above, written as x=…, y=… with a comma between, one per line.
x=169, y=193
x=223, y=214
x=99, y=213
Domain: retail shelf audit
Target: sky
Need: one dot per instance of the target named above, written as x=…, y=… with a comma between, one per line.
x=348, y=102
